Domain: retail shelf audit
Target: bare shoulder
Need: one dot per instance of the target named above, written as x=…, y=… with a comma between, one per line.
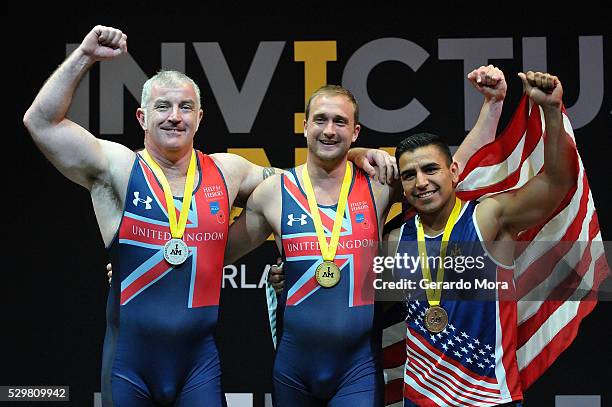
x=235, y=168
x=228, y=163
x=237, y=165
x=227, y=158
x=487, y=214
x=491, y=207
x=393, y=236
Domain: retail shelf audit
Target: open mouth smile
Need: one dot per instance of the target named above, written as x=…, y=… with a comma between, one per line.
x=425, y=195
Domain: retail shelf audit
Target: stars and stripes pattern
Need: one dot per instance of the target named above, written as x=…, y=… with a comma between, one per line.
x=452, y=367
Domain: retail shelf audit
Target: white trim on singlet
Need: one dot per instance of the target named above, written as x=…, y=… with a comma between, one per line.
x=484, y=247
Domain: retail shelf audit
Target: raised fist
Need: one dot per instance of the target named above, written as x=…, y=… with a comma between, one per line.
x=490, y=81
x=104, y=43
x=543, y=88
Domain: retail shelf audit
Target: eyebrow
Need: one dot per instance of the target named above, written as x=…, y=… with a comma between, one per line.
x=164, y=100
x=428, y=166
x=335, y=117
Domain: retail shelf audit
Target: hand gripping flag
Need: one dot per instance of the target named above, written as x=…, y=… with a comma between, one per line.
x=559, y=264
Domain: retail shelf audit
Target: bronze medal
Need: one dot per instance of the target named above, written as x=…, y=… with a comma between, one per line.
x=327, y=274
x=436, y=319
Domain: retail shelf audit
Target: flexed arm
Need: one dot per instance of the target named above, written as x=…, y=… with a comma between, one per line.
x=71, y=149
x=517, y=210
x=491, y=83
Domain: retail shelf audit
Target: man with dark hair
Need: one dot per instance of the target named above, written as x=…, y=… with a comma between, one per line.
x=421, y=140
x=462, y=350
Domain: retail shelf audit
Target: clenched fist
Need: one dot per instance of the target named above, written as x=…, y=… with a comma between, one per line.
x=543, y=88
x=104, y=43
x=490, y=81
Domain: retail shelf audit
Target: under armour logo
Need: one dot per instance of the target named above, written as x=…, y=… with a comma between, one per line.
x=137, y=199
x=292, y=219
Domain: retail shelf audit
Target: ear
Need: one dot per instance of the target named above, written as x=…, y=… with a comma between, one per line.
x=140, y=116
x=405, y=195
x=356, y=132
x=200, y=116
x=305, y=128
x=454, y=169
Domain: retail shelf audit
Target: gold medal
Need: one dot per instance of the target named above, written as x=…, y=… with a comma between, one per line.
x=436, y=319
x=327, y=274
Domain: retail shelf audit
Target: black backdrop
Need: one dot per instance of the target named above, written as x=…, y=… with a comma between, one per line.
x=55, y=289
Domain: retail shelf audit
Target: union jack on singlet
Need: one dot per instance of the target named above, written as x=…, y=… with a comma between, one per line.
x=159, y=343
x=328, y=344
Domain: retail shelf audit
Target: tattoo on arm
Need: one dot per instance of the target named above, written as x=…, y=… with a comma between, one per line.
x=268, y=172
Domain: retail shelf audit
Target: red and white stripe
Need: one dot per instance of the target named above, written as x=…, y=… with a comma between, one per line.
x=437, y=378
x=393, y=360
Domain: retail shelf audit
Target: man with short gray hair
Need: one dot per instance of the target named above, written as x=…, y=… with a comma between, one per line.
x=163, y=215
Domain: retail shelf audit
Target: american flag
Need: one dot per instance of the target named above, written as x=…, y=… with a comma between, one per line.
x=558, y=268
x=452, y=367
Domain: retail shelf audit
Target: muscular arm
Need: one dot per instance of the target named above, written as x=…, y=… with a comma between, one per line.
x=491, y=83
x=252, y=227
x=517, y=210
x=74, y=151
x=244, y=173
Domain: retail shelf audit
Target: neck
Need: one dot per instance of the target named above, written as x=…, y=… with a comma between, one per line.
x=325, y=171
x=172, y=163
x=434, y=223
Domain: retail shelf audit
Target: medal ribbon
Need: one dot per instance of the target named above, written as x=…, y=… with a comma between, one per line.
x=434, y=295
x=177, y=229
x=327, y=251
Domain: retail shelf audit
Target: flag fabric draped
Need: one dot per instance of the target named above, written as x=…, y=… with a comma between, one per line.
x=559, y=264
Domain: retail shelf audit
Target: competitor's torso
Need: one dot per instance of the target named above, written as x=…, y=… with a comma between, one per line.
x=472, y=361
x=338, y=318
x=156, y=310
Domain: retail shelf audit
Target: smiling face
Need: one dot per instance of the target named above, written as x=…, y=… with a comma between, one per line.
x=427, y=178
x=170, y=118
x=330, y=128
